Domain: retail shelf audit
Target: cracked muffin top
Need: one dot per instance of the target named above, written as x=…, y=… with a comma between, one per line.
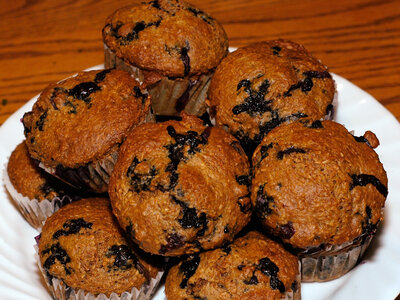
x=252, y=267
x=83, y=118
x=265, y=84
x=316, y=184
x=172, y=38
x=179, y=187
x=30, y=180
x=83, y=245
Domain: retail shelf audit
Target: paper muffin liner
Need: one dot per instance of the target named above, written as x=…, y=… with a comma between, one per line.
x=333, y=261
x=61, y=291
x=92, y=177
x=33, y=210
x=169, y=96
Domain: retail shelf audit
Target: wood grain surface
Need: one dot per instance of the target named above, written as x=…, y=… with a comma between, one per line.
x=42, y=41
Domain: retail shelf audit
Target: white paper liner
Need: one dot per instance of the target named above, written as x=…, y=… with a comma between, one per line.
x=166, y=93
x=61, y=291
x=34, y=211
x=334, y=262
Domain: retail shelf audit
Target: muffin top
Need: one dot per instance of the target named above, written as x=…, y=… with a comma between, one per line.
x=170, y=37
x=179, y=187
x=30, y=180
x=83, y=118
x=83, y=245
x=265, y=84
x=316, y=184
x=252, y=267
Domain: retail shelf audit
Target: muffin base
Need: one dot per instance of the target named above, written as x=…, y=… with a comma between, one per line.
x=334, y=261
x=33, y=210
x=170, y=96
x=61, y=291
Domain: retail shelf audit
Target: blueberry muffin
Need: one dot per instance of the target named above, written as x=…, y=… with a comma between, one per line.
x=76, y=126
x=36, y=193
x=321, y=190
x=252, y=267
x=180, y=187
x=169, y=45
x=82, y=251
x=265, y=84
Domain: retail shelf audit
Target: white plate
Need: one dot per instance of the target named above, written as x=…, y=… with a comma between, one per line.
x=376, y=277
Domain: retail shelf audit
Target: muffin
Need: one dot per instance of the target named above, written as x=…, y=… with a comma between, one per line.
x=83, y=251
x=171, y=46
x=76, y=126
x=265, y=84
x=37, y=194
x=179, y=187
x=252, y=267
x=320, y=190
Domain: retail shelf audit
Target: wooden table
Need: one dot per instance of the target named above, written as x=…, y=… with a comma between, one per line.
x=44, y=41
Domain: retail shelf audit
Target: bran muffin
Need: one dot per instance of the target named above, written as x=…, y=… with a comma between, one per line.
x=82, y=250
x=252, y=267
x=321, y=190
x=180, y=187
x=265, y=84
x=37, y=194
x=169, y=45
x=76, y=126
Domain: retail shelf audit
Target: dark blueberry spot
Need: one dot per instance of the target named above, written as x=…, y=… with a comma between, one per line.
x=188, y=267
x=83, y=90
x=364, y=179
x=191, y=219
x=130, y=231
x=32, y=140
x=73, y=107
x=134, y=34
x=286, y=231
x=174, y=241
x=185, y=59
x=369, y=229
x=255, y=102
x=56, y=253
x=252, y=281
x=368, y=211
x=40, y=122
x=155, y=4
x=100, y=76
x=329, y=110
x=276, y=50
x=138, y=181
x=124, y=258
x=269, y=268
x=227, y=229
x=206, y=119
x=240, y=267
x=317, y=74
x=263, y=201
x=199, y=13
x=316, y=125
x=72, y=227
x=289, y=151
x=307, y=84
x=264, y=151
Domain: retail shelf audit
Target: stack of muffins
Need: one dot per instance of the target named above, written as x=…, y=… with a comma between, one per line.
x=174, y=147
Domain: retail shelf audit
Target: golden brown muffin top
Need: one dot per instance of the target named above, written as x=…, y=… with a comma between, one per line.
x=315, y=183
x=252, y=267
x=27, y=178
x=265, y=84
x=83, y=245
x=81, y=119
x=179, y=187
x=168, y=36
